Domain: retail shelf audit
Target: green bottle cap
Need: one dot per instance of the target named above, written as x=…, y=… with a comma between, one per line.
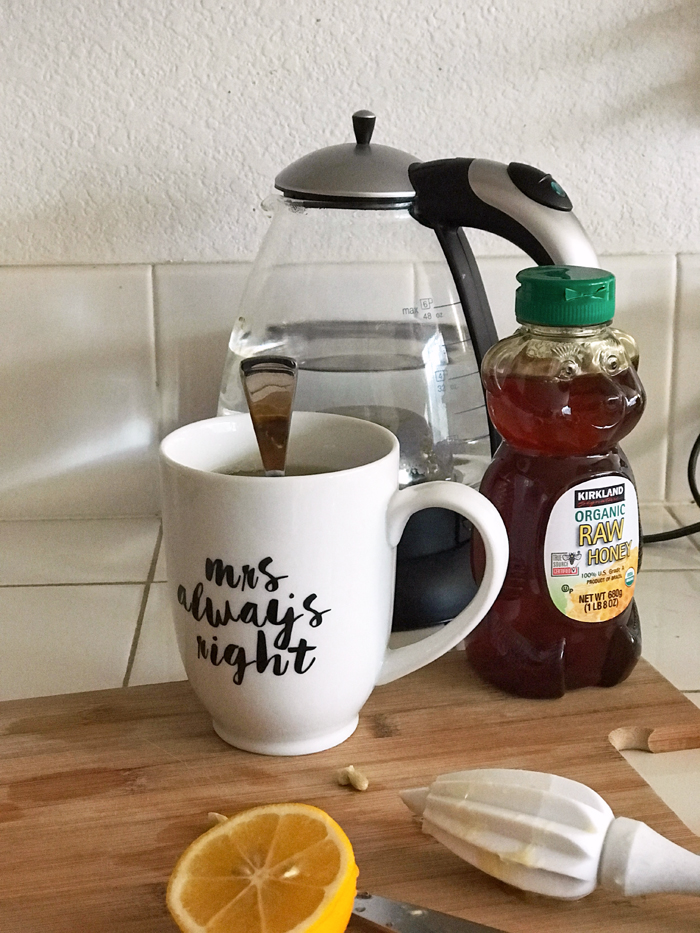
x=565, y=296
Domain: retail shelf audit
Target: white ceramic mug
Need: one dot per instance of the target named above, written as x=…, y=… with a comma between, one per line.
x=282, y=587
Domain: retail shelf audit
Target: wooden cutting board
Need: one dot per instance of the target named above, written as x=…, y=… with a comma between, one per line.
x=100, y=792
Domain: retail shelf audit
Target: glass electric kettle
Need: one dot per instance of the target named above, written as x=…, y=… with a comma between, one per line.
x=388, y=320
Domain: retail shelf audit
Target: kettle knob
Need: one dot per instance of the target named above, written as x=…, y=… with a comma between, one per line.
x=363, y=124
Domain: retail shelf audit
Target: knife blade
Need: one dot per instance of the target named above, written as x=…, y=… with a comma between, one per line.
x=381, y=912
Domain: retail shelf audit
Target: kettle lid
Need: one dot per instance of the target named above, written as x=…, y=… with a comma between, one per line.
x=373, y=175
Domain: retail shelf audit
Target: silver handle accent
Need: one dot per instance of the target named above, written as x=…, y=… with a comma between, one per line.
x=559, y=232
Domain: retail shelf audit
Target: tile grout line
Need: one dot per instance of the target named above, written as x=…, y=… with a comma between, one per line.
x=671, y=381
x=157, y=354
x=37, y=586
x=647, y=570
x=142, y=608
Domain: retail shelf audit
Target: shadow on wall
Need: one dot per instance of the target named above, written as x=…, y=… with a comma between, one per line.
x=671, y=31
x=644, y=63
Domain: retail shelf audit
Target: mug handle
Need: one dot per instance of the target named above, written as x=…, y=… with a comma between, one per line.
x=483, y=514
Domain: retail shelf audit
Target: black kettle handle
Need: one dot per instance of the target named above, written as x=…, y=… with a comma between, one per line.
x=518, y=202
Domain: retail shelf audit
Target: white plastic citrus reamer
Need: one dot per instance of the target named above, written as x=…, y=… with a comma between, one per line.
x=549, y=834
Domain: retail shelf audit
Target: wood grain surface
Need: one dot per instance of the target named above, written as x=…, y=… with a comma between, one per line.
x=100, y=793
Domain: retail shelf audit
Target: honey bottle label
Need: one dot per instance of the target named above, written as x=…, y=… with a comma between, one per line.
x=591, y=549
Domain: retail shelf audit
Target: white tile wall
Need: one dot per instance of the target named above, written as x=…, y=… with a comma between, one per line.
x=668, y=601
x=195, y=307
x=78, y=400
x=40, y=553
x=65, y=639
x=98, y=362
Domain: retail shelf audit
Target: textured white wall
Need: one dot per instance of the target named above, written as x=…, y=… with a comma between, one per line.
x=149, y=130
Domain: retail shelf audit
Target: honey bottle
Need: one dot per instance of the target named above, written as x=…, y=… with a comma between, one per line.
x=562, y=391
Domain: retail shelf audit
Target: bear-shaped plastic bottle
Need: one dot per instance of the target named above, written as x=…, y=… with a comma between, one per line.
x=562, y=391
